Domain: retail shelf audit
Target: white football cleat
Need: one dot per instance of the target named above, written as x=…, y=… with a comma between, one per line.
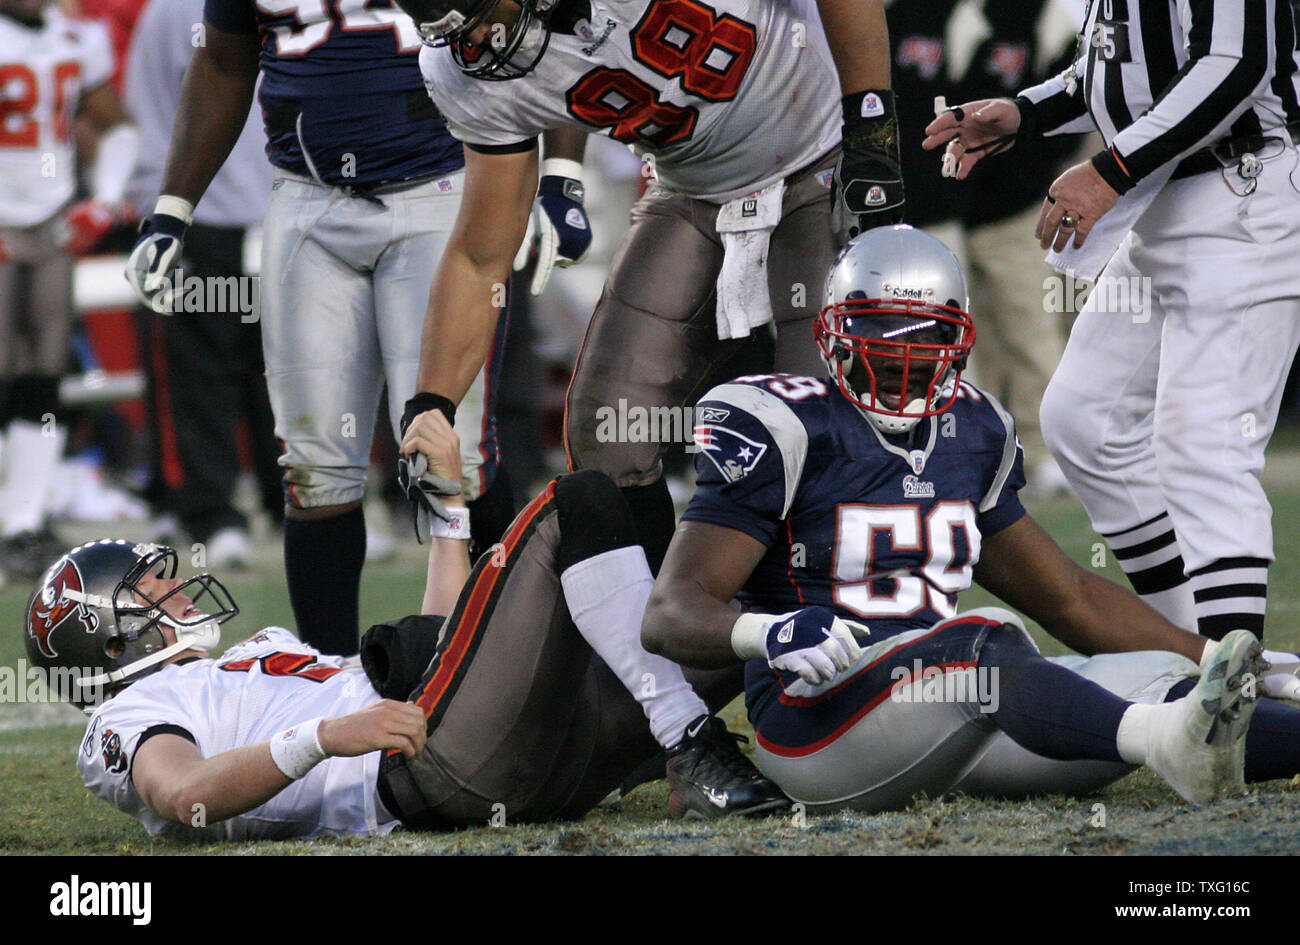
x=1198, y=743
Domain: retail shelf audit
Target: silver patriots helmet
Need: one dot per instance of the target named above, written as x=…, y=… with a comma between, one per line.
x=894, y=331
x=508, y=53
x=90, y=624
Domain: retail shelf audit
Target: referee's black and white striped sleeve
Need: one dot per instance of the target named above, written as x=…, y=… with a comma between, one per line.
x=1231, y=59
x=1049, y=108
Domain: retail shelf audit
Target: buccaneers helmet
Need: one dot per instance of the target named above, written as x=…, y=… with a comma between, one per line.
x=894, y=331
x=450, y=22
x=90, y=621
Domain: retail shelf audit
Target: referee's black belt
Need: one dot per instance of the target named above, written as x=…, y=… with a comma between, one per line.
x=1227, y=152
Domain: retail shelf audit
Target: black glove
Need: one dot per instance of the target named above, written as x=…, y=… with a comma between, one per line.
x=867, y=190
x=422, y=487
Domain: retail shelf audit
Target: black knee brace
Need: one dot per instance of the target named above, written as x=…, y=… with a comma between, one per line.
x=594, y=517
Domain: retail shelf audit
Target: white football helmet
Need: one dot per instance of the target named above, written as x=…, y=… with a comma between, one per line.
x=894, y=331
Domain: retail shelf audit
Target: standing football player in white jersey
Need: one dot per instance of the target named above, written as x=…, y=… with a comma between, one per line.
x=52, y=70
x=736, y=108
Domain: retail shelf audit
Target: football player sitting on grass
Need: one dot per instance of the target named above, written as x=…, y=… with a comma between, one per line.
x=849, y=516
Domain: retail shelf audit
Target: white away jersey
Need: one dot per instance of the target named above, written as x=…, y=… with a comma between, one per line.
x=258, y=688
x=43, y=73
x=729, y=96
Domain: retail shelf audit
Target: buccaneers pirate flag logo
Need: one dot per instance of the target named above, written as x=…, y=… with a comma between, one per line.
x=51, y=608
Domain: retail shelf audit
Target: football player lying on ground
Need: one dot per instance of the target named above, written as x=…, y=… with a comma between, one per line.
x=511, y=713
x=857, y=512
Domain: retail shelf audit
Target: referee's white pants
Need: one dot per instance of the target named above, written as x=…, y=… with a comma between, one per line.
x=1170, y=384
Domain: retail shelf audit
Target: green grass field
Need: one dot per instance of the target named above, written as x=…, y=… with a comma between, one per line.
x=46, y=810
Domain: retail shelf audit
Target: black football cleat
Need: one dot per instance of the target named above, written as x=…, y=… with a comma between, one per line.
x=709, y=776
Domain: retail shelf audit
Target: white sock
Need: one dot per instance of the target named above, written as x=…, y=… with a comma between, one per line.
x=1131, y=738
x=607, y=595
x=32, y=461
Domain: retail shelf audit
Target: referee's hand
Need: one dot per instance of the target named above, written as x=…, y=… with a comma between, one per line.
x=966, y=132
x=1075, y=202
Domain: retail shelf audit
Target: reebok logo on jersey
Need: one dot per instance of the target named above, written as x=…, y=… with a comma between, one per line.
x=786, y=633
x=872, y=106
x=713, y=414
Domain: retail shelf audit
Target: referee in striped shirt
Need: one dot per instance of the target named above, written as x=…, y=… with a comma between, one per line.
x=1168, y=392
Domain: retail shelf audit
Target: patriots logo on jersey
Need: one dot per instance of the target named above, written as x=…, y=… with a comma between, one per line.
x=51, y=608
x=915, y=487
x=735, y=455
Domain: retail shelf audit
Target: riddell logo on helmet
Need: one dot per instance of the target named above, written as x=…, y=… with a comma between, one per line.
x=908, y=292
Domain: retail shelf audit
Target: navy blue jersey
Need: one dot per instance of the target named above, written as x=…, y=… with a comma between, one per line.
x=341, y=79
x=885, y=529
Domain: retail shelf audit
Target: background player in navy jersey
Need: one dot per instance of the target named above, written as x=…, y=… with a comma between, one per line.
x=848, y=517
x=368, y=184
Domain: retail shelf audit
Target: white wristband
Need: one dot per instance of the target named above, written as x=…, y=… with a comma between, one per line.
x=175, y=207
x=561, y=167
x=749, y=636
x=457, y=528
x=297, y=750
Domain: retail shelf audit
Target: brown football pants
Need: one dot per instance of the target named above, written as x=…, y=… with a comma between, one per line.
x=653, y=338
x=525, y=722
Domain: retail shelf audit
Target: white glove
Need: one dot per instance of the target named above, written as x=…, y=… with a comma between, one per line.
x=813, y=644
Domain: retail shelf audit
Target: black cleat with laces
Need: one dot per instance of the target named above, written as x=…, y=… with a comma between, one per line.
x=709, y=776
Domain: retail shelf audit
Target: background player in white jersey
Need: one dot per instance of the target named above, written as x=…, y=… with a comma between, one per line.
x=275, y=739
x=52, y=70
x=1169, y=389
x=858, y=512
x=734, y=106
x=368, y=183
